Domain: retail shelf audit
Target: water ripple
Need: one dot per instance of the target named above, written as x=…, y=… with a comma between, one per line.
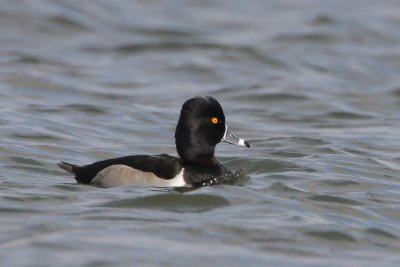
x=172, y=202
x=331, y=236
x=335, y=199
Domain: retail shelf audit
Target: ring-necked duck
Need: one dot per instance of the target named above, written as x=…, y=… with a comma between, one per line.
x=200, y=128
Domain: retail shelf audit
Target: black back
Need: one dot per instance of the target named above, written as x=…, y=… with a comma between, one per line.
x=164, y=166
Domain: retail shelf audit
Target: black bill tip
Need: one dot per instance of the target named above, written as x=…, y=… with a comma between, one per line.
x=247, y=144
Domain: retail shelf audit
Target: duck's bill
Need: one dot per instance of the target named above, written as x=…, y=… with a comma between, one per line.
x=230, y=138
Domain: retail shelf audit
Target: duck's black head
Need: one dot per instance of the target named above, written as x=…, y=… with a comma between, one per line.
x=200, y=128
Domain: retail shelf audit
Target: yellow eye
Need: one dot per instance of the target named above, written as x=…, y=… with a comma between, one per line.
x=214, y=120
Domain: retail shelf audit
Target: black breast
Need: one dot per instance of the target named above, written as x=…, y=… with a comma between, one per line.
x=201, y=175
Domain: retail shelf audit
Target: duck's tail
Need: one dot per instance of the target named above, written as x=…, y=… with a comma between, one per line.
x=71, y=168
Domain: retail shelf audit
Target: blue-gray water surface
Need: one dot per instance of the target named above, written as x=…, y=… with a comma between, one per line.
x=313, y=85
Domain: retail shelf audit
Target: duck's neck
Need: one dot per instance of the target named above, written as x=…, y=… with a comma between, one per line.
x=203, y=156
x=208, y=160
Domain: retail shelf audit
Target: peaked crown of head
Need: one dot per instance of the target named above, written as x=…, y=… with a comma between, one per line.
x=196, y=134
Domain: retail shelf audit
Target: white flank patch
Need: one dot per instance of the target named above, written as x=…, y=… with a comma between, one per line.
x=119, y=175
